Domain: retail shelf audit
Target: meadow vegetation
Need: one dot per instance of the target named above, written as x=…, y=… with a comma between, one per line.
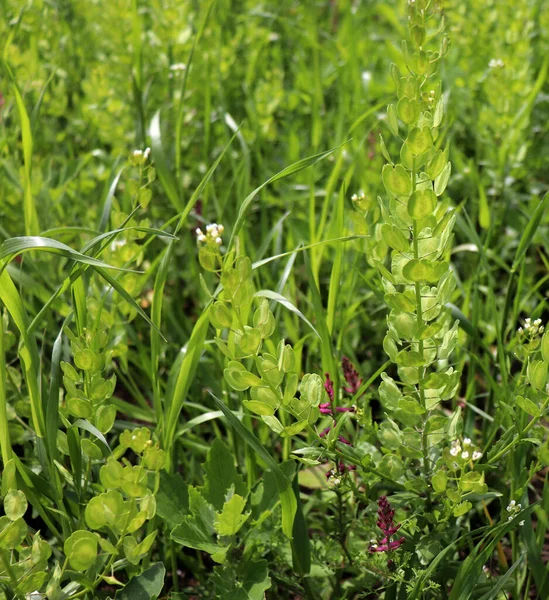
x=273, y=298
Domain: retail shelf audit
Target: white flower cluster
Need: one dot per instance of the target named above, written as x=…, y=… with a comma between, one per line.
x=496, y=63
x=213, y=233
x=358, y=197
x=466, y=452
x=141, y=153
x=531, y=328
x=513, y=509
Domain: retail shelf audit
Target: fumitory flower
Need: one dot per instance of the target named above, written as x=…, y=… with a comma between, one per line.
x=353, y=379
x=385, y=521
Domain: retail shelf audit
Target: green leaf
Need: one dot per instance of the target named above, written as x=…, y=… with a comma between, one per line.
x=439, y=481
x=420, y=140
x=392, y=120
x=287, y=304
x=239, y=378
x=169, y=183
x=528, y=406
x=396, y=180
x=545, y=347
x=230, y=519
x=12, y=533
x=146, y=586
x=395, y=238
x=537, y=374
x=15, y=504
x=408, y=110
x=442, y=180
x=18, y=245
x=422, y=204
x=220, y=475
x=410, y=406
x=287, y=497
x=251, y=582
x=418, y=270
x=462, y=509
x=529, y=232
x=81, y=550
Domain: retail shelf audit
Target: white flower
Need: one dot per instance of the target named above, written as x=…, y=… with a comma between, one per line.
x=218, y=241
x=496, y=63
x=137, y=153
x=455, y=450
x=477, y=455
x=202, y=238
x=466, y=441
x=465, y=455
x=521, y=523
x=147, y=152
x=178, y=67
x=511, y=506
x=36, y=595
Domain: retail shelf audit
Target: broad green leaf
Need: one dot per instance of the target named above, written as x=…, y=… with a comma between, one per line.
x=15, y=504
x=395, y=238
x=418, y=270
x=528, y=406
x=220, y=475
x=146, y=586
x=396, y=180
x=420, y=140
x=230, y=519
x=287, y=498
x=408, y=110
x=81, y=550
x=422, y=204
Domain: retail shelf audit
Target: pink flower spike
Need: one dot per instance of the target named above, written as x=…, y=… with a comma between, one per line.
x=325, y=431
x=353, y=379
x=329, y=387
x=325, y=408
x=344, y=440
x=343, y=409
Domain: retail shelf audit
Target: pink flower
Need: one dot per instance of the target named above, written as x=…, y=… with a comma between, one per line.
x=385, y=516
x=329, y=387
x=353, y=379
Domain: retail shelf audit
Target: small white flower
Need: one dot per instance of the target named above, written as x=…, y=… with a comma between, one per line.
x=147, y=152
x=178, y=67
x=465, y=455
x=519, y=506
x=477, y=455
x=36, y=595
x=218, y=241
x=511, y=506
x=455, y=450
x=221, y=229
x=336, y=480
x=198, y=231
x=202, y=238
x=510, y=518
x=521, y=523
x=137, y=153
x=466, y=441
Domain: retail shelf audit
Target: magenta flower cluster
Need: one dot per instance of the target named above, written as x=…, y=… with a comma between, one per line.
x=353, y=382
x=385, y=521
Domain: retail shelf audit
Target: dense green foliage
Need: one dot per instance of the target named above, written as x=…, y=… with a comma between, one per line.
x=273, y=286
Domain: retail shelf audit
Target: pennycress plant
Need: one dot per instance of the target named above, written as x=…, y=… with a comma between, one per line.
x=414, y=234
